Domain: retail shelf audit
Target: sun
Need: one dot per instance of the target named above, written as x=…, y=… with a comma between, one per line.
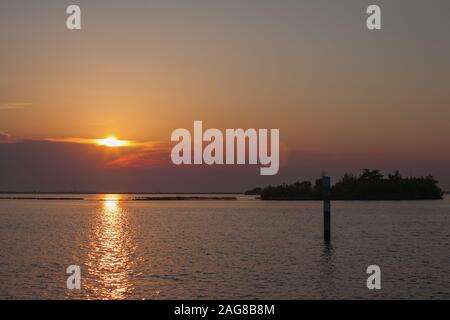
x=112, y=142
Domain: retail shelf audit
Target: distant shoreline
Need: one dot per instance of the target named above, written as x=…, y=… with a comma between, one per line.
x=202, y=198
x=168, y=198
x=181, y=198
x=131, y=193
x=36, y=198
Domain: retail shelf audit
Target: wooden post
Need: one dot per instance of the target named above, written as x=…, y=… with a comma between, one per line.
x=326, y=183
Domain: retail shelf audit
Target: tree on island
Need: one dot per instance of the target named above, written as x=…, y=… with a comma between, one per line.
x=369, y=185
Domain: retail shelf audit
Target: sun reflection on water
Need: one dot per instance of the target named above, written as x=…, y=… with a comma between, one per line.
x=111, y=247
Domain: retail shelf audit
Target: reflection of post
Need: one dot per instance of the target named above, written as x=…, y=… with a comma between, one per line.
x=326, y=183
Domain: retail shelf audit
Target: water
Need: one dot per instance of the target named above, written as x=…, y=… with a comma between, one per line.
x=241, y=249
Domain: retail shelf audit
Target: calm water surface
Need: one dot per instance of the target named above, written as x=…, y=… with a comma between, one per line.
x=222, y=249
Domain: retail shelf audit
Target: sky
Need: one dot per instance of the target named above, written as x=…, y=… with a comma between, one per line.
x=344, y=98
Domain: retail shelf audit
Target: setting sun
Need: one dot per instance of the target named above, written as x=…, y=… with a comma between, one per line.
x=112, y=142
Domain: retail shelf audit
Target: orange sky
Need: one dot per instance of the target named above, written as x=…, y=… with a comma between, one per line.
x=142, y=69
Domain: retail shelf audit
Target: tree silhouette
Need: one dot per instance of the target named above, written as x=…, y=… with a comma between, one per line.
x=369, y=185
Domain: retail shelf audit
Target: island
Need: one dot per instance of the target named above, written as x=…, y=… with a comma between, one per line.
x=369, y=185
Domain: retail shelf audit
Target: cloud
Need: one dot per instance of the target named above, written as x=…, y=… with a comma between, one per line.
x=30, y=165
x=14, y=105
x=143, y=159
x=142, y=155
x=134, y=155
x=4, y=136
x=73, y=140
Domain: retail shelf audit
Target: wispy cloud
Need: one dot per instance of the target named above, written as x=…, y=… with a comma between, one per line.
x=4, y=136
x=134, y=155
x=14, y=105
x=73, y=140
x=153, y=154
